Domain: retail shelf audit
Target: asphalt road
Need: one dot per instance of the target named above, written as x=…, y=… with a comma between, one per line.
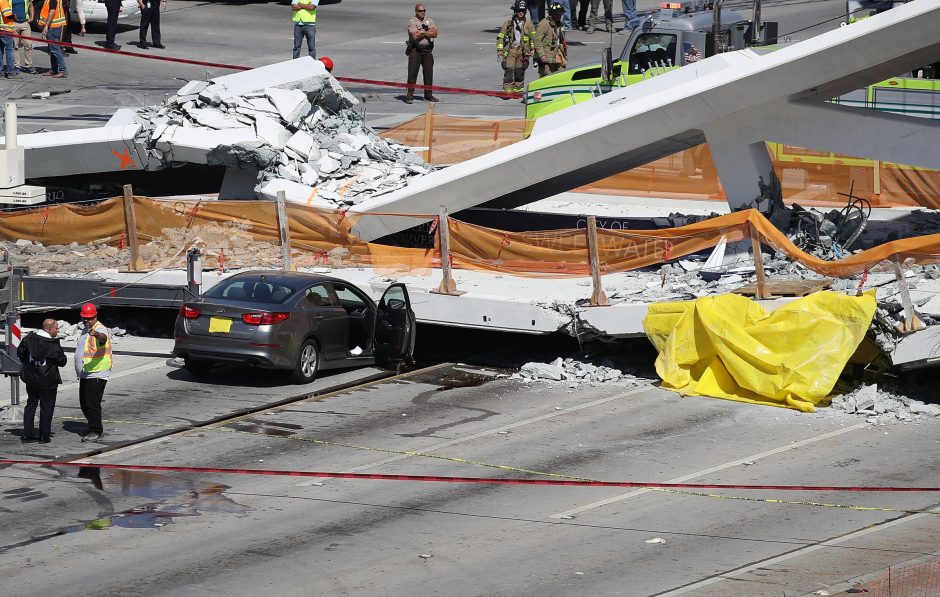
x=365, y=38
x=138, y=533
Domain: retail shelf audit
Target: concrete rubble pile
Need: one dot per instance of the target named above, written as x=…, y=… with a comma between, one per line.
x=227, y=244
x=881, y=405
x=73, y=258
x=302, y=132
x=576, y=373
x=71, y=331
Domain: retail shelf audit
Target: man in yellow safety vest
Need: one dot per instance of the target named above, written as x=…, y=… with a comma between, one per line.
x=305, y=25
x=52, y=21
x=93, y=366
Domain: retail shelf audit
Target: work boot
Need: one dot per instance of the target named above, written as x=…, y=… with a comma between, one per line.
x=143, y=45
x=409, y=99
x=158, y=46
x=430, y=98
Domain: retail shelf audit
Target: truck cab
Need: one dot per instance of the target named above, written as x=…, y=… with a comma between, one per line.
x=678, y=34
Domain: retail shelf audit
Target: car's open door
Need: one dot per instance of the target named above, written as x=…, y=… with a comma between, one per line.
x=394, y=326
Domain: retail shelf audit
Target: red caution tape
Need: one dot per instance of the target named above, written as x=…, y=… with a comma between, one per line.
x=480, y=480
x=375, y=82
x=434, y=224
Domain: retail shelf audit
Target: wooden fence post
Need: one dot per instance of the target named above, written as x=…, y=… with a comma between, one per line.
x=598, y=297
x=428, y=130
x=761, y=291
x=447, y=286
x=911, y=321
x=283, y=231
x=130, y=229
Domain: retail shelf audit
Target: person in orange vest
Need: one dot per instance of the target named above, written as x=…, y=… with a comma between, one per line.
x=52, y=20
x=93, y=366
x=7, y=24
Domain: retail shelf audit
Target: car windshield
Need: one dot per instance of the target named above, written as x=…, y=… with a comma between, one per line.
x=251, y=290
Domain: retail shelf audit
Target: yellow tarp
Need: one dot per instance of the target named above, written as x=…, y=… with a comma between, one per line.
x=728, y=346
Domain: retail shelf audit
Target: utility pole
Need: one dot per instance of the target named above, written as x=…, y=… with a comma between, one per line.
x=755, y=25
x=716, y=26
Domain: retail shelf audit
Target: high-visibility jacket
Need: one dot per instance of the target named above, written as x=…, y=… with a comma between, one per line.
x=97, y=356
x=506, y=39
x=6, y=16
x=58, y=16
x=304, y=16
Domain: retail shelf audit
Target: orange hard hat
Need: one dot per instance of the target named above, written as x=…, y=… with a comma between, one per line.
x=89, y=310
x=327, y=63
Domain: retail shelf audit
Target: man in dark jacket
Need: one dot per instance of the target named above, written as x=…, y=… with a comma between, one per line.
x=41, y=356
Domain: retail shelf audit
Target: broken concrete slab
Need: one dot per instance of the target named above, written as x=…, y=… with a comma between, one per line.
x=192, y=88
x=302, y=144
x=271, y=132
x=214, y=119
x=192, y=145
x=290, y=104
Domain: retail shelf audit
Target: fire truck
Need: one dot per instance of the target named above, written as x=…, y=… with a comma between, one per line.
x=678, y=34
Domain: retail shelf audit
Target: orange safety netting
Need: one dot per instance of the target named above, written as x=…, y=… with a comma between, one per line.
x=450, y=139
x=317, y=231
x=806, y=176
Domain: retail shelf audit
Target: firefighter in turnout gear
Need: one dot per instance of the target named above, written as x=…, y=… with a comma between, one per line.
x=551, y=48
x=514, y=47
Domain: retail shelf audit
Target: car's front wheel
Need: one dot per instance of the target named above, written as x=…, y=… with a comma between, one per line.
x=306, y=363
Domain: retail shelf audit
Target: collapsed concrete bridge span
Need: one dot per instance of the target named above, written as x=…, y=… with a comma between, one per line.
x=734, y=101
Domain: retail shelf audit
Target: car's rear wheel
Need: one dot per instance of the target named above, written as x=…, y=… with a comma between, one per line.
x=197, y=367
x=306, y=363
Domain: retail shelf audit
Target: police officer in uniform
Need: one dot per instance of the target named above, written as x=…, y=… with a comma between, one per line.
x=514, y=47
x=421, y=35
x=551, y=48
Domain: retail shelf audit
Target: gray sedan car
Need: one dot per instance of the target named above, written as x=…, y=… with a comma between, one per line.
x=298, y=322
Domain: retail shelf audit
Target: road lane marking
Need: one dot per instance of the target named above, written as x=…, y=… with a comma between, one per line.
x=493, y=431
x=714, y=469
x=798, y=553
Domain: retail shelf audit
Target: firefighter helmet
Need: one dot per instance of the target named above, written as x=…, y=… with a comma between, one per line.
x=555, y=7
x=519, y=5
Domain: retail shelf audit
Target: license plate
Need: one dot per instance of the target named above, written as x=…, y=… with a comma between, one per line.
x=222, y=325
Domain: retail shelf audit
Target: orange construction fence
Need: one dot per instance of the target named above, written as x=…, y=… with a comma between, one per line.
x=316, y=231
x=807, y=176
